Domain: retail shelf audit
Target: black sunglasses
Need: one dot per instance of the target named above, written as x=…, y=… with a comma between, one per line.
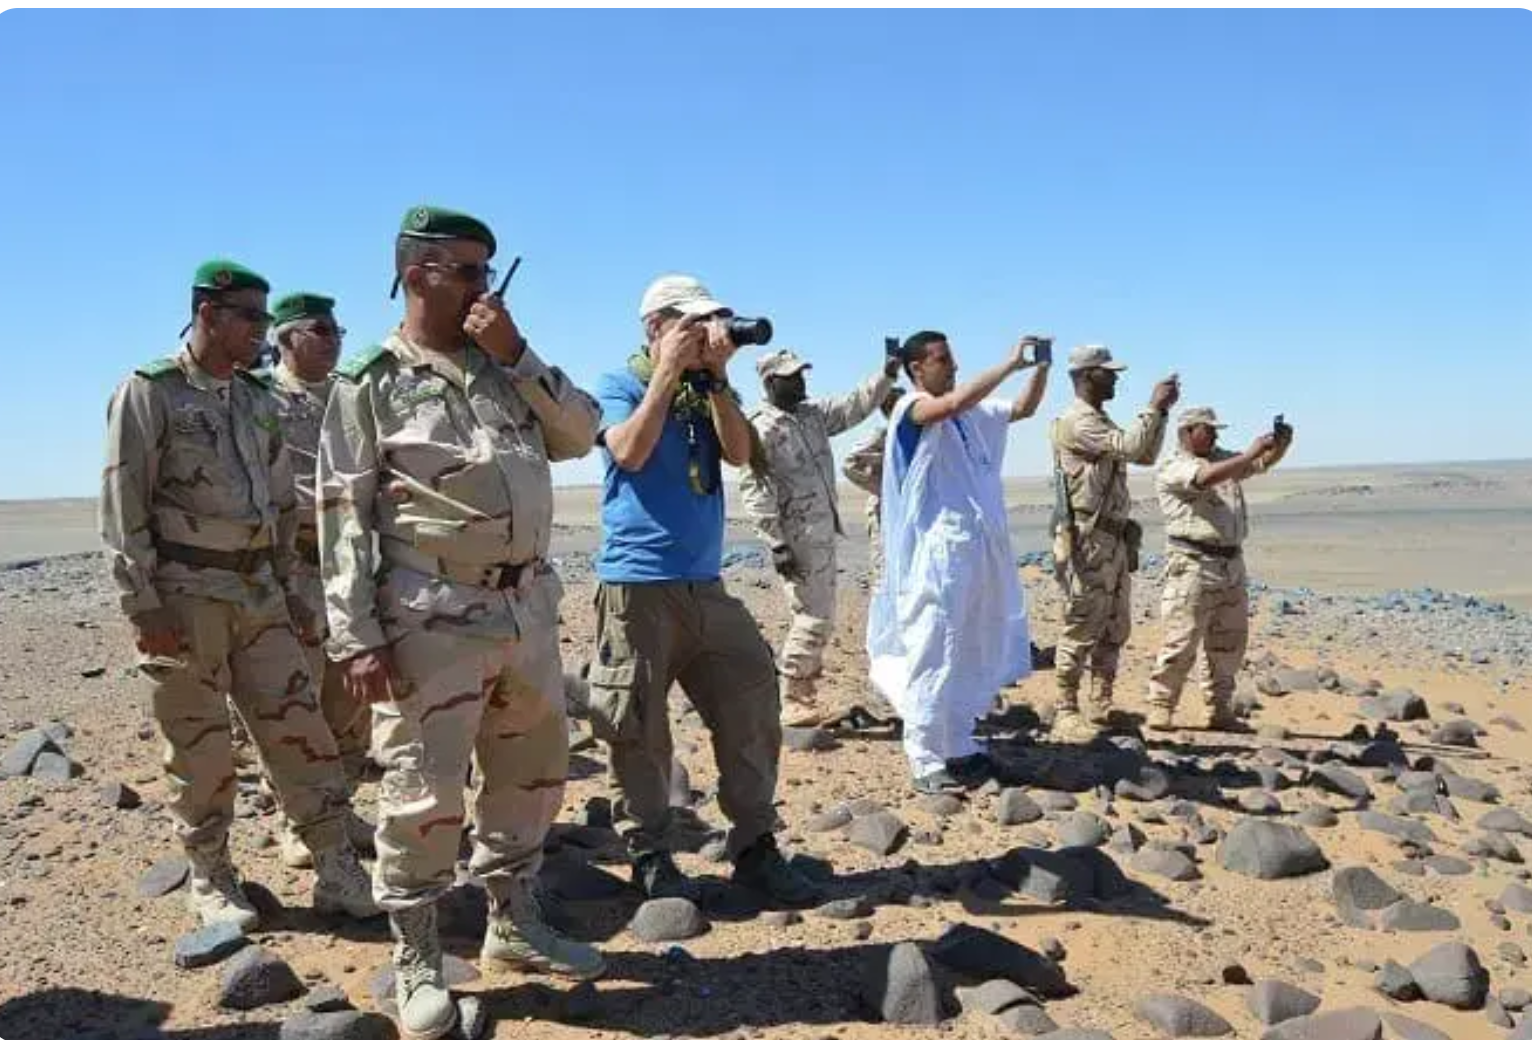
x=254, y=315
x=472, y=273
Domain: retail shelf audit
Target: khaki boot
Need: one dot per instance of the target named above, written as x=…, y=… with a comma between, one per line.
x=1098, y=706
x=517, y=939
x=800, y=703
x=1161, y=718
x=293, y=852
x=425, y=1008
x=1070, y=727
x=341, y=885
x=214, y=894
x=1222, y=719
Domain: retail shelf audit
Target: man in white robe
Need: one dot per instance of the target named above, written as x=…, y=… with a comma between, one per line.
x=948, y=627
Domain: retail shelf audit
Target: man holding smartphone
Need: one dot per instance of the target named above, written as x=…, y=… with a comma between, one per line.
x=1205, y=604
x=947, y=628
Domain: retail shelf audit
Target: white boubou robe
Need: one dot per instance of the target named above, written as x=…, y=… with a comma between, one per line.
x=948, y=627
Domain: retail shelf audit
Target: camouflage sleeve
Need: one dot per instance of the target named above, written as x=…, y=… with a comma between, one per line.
x=1095, y=437
x=758, y=491
x=569, y=416
x=136, y=425
x=843, y=412
x=864, y=466
x=345, y=485
x=1177, y=476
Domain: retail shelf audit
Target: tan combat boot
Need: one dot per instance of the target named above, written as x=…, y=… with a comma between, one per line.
x=213, y=892
x=341, y=885
x=517, y=939
x=1222, y=719
x=1161, y=717
x=1070, y=727
x=800, y=703
x=1098, y=704
x=425, y=1008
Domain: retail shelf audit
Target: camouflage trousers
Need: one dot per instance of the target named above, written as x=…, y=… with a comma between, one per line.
x=695, y=634
x=349, y=725
x=245, y=653
x=1204, y=607
x=811, y=598
x=1098, y=617
x=469, y=699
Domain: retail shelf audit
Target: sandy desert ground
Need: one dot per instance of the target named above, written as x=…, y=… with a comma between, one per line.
x=1369, y=583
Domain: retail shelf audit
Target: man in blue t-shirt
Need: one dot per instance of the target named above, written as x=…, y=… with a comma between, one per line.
x=669, y=419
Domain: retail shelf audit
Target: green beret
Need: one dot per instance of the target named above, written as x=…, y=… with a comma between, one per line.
x=298, y=305
x=222, y=275
x=435, y=222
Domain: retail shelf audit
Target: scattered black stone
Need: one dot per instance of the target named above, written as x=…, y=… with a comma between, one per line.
x=256, y=977
x=1272, y=1001
x=209, y=945
x=1179, y=1016
x=1451, y=974
x=668, y=920
x=980, y=954
x=1266, y=850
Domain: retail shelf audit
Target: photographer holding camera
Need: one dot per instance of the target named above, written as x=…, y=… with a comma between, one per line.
x=669, y=419
x=1205, y=602
x=789, y=492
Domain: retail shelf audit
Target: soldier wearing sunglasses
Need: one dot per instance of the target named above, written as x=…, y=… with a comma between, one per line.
x=198, y=516
x=307, y=341
x=435, y=510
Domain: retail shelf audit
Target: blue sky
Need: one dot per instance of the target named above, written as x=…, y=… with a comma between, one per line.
x=1327, y=214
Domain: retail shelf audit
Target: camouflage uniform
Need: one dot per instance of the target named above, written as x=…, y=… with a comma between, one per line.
x=1204, y=601
x=300, y=408
x=446, y=462
x=789, y=492
x=864, y=468
x=198, y=516
x=1093, y=453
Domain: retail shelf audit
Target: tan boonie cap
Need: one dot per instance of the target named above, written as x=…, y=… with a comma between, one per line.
x=1199, y=416
x=1093, y=355
x=679, y=292
x=780, y=363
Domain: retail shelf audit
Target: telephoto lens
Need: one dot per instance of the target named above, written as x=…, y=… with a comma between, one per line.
x=750, y=332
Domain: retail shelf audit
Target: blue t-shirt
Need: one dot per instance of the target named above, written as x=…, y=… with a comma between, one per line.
x=654, y=526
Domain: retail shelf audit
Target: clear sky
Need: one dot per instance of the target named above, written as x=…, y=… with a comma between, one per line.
x=1327, y=214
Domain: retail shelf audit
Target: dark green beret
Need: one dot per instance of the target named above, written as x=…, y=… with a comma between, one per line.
x=226, y=274
x=438, y=223
x=298, y=305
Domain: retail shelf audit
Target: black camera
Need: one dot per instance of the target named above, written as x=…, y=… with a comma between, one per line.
x=749, y=332
x=891, y=347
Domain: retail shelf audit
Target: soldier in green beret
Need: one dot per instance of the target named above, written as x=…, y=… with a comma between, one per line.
x=308, y=342
x=198, y=515
x=435, y=510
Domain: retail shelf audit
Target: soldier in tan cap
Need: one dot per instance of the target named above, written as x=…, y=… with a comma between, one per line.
x=1205, y=603
x=1095, y=540
x=435, y=509
x=307, y=341
x=198, y=515
x=789, y=492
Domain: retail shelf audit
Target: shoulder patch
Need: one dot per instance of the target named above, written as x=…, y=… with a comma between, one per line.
x=353, y=367
x=160, y=367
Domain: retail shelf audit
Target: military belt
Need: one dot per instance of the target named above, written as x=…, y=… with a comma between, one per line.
x=490, y=575
x=1223, y=552
x=241, y=561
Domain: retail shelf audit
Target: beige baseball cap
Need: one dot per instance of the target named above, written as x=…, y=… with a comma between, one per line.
x=1199, y=416
x=1093, y=355
x=780, y=363
x=679, y=292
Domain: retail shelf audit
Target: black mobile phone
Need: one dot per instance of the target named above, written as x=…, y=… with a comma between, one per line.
x=1044, y=351
x=891, y=346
